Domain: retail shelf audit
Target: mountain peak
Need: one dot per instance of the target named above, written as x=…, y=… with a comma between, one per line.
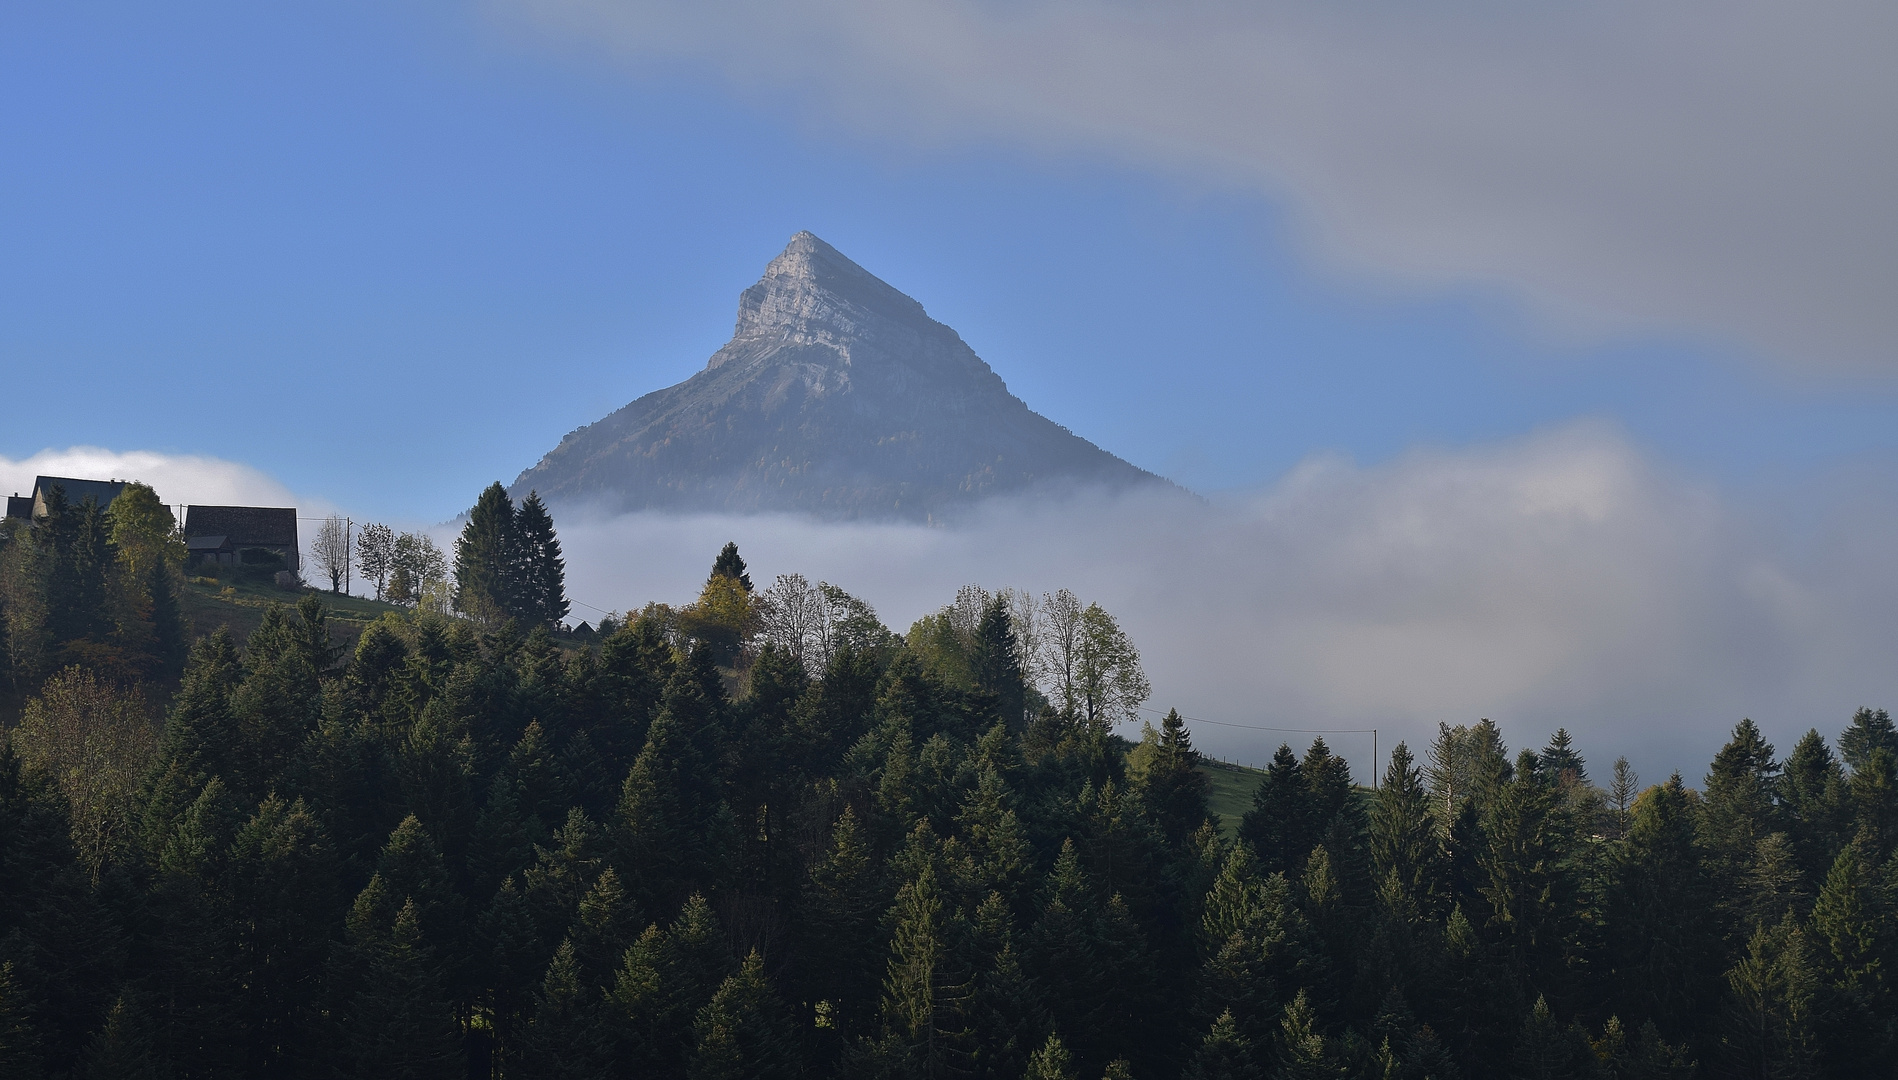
x=812, y=288
x=837, y=396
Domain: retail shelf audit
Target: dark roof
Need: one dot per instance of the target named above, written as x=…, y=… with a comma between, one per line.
x=78, y=491
x=205, y=543
x=245, y=526
x=20, y=506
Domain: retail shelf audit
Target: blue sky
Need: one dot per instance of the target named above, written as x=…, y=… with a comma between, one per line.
x=1543, y=360
x=459, y=241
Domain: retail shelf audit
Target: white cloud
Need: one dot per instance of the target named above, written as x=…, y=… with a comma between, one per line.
x=1556, y=580
x=1702, y=167
x=178, y=478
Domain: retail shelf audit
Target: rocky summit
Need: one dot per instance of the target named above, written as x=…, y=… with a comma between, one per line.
x=837, y=396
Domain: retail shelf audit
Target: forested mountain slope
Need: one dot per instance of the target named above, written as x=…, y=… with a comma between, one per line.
x=460, y=852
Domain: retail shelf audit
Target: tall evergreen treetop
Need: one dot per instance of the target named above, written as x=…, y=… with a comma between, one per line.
x=487, y=570
x=728, y=564
x=1871, y=729
x=541, y=592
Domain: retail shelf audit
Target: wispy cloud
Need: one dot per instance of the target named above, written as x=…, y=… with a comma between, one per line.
x=1561, y=579
x=1702, y=167
x=178, y=478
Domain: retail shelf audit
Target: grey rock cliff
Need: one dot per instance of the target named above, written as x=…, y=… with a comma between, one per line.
x=837, y=396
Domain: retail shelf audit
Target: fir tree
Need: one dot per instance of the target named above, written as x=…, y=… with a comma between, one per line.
x=1278, y=825
x=1403, y=838
x=1658, y=907
x=1870, y=729
x=996, y=667
x=1223, y=1054
x=744, y=1032
x=926, y=992
x=1815, y=796
x=121, y=1050
x=1051, y=1062
x=487, y=558
x=1771, y=994
x=540, y=595
x=730, y=565
x=1173, y=788
x=1560, y=762
x=19, y=1042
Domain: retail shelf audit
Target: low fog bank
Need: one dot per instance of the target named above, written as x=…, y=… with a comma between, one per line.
x=1557, y=580
x=193, y=479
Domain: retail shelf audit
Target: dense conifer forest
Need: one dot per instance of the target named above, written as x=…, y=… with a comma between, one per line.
x=762, y=836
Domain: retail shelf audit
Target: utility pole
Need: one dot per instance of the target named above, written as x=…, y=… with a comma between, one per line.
x=348, y=550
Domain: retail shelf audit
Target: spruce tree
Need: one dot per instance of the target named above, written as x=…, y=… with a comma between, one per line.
x=744, y=1032
x=730, y=565
x=1659, y=935
x=19, y=1042
x=123, y=1049
x=1051, y=1062
x=541, y=591
x=1174, y=789
x=1403, y=840
x=487, y=558
x=1815, y=796
x=399, y=1022
x=1278, y=826
x=926, y=991
x=1870, y=729
x=1560, y=761
x=838, y=931
x=1223, y=1054
x=1772, y=991
x=996, y=666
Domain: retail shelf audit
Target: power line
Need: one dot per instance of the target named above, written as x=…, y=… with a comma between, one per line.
x=1257, y=727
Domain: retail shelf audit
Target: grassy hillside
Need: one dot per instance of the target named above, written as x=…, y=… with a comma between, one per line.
x=237, y=600
x=1233, y=786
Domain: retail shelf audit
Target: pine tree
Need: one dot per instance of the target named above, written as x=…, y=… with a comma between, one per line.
x=1403, y=838
x=398, y=1022
x=19, y=1042
x=1173, y=788
x=926, y=991
x=1051, y=1062
x=1739, y=806
x=1223, y=1054
x=541, y=592
x=1771, y=994
x=1658, y=910
x=996, y=666
x=1870, y=729
x=1278, y=826
x=729, y=565
x=121, y=1050
x=744, y=1032
x=487, y=558
x=843, y=901
x=1815, y=795
x=1547, y=1051
x=1559, y=758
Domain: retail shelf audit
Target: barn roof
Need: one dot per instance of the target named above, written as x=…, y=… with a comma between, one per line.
x=245, y=526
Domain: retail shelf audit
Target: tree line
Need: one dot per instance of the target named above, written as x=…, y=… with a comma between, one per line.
x=762, y=835
x=91, y=586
